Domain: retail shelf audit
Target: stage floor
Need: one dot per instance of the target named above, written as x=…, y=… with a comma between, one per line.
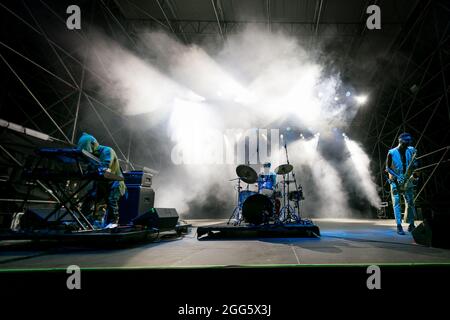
x=343, y=241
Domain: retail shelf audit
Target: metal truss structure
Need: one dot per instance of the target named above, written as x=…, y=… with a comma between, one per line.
x=416, y=101
x=46, y=82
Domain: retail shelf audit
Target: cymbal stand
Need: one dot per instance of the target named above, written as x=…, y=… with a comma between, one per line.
x=236, y=216
x=297, y=198
x=291, y=214
x=287, y=209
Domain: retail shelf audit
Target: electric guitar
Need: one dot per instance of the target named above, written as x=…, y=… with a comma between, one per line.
x=403, y=180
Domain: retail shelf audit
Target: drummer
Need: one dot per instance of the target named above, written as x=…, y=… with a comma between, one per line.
x=266, y=179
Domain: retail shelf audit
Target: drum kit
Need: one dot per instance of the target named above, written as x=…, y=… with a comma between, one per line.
x=272, y=202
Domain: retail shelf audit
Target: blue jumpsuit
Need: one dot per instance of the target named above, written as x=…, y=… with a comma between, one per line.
x=399, y=166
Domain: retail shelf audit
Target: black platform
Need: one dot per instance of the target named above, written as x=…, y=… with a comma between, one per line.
x=94, y=237
x=123, y=234
x=304, y=229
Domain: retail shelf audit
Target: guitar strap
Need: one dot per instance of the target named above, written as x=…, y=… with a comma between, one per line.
x=403, y=157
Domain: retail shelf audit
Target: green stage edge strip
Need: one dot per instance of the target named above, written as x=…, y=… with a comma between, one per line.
x=244, y=266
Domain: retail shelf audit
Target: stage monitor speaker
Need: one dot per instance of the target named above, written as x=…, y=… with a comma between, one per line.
x=433, y=232
x=159, y=218
x=139, y=200
x=141, y=178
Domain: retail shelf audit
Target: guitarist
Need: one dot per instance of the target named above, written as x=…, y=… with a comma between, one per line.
x=400, y=166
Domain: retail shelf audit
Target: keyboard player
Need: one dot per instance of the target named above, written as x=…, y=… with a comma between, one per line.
x=108, y=192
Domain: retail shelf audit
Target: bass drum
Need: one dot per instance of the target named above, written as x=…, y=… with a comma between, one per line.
x=257, y=209
x=243, y=195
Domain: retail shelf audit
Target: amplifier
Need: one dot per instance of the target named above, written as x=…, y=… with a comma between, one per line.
x=139, y=178
x=139, y=200
x=433, y=231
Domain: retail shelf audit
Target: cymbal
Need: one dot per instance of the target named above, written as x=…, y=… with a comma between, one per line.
x=246, y=173
x=283, y=169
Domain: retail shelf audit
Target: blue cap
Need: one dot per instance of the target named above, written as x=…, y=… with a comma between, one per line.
x=405, y=136
x=86, y=142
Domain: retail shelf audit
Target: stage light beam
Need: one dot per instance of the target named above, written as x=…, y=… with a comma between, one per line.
x=360, y=163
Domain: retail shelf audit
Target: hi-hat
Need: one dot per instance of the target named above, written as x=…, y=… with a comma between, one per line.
x=283, y=169
x=246, y=173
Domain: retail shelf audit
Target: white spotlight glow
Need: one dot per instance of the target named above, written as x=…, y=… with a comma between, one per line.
x=362, y=99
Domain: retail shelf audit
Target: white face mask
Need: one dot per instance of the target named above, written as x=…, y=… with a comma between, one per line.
x=266, y=170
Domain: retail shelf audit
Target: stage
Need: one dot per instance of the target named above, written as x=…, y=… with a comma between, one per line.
x=342, y=241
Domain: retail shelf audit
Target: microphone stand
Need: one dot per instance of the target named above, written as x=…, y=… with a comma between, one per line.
x=297, y=200
x=257, y=161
